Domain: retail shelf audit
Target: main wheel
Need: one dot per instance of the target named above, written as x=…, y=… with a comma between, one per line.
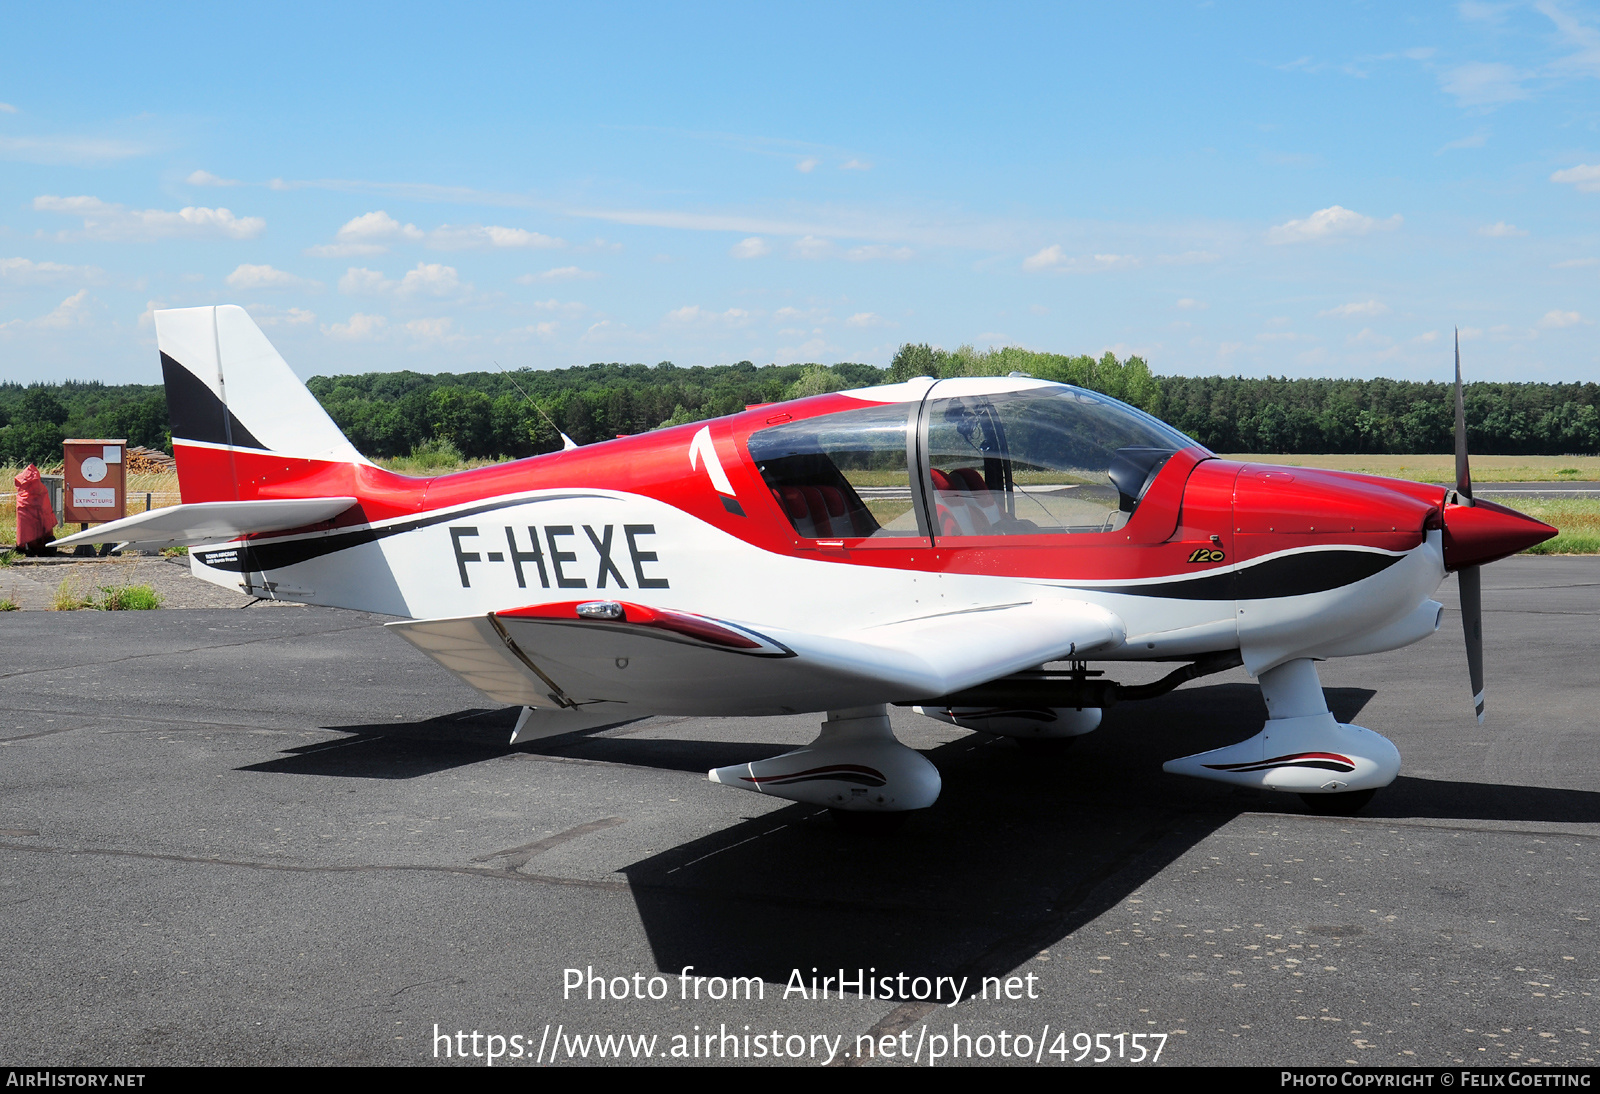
x=1347, y=804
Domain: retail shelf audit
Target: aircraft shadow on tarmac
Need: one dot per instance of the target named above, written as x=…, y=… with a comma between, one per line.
x=1018, y=853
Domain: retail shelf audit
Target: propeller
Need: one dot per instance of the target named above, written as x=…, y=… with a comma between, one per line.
x=1470, y=578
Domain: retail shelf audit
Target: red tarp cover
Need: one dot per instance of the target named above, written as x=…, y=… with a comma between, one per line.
x=36, y=521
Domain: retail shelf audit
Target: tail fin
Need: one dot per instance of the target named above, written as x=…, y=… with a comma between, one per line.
x=230, y=395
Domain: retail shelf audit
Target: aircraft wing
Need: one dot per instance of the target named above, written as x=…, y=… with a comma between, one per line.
x=668, y=662
x=210, y=522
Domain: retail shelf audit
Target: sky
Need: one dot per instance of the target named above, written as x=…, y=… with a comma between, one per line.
x=1254, y=189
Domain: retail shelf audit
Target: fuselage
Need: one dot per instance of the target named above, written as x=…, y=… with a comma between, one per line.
x=1214, y=555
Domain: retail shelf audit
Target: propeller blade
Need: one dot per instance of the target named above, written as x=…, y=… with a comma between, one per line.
x=1463, y=472
x=1470, y=577
x=1472, y=623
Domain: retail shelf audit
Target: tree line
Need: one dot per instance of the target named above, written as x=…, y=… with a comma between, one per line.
x=487, y=415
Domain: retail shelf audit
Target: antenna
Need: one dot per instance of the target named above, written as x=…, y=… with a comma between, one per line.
x=567, y=443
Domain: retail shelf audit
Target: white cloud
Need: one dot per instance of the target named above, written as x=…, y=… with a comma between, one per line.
x=1477, y=140
x=1479, y=83
x=80, y=151
x=1352, y=310
x=753, y=247
x=1586, y=61
x=560, y=273
x=267, y=316
x=367, y=234
x=1046, y=259
x=540, y=330
x=373, y=226
x=806, y=166
x=345, y=250
x=427, y=279
x=431, y=329
x=359, y=280
x=810, y=246
x=206, y=178
x=1482, y=12
x=1053, y=258
x=264, y=277
x=449, y=237
x=1188, y=303
x=117, y=223
x=1329, y=223
x=879, y=250
x=71, y=312
x=855, y=165
x=1552, y=319
x=1500, y=229
x=569, y=308
x=1585, y=177
x=1366, y=336
x=1574, y=262
x=7, y=108
x=432, y=279
x=866, y=319
x=360, y=328
x=788, y=314
x=694, y=313
x=20, y=271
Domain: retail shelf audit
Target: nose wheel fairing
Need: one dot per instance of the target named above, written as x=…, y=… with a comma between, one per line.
x=1302, y=748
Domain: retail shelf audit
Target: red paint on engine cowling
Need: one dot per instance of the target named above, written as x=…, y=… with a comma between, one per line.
x=1483, y=532
x=1282, y=508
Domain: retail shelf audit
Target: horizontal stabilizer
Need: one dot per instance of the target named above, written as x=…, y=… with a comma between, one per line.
x=211, y=522
x=668, y=662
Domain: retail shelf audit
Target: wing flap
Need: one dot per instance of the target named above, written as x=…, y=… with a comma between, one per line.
x=675, y=663
x=204, y=522
x=472, y=648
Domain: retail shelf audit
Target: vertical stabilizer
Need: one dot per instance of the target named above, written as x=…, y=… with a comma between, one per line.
x=228, y=387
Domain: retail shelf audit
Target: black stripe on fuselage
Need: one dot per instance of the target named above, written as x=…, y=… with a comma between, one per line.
x=258, y=558
x=1287, y=575
x=196, y=414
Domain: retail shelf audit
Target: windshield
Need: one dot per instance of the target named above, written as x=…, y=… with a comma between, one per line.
x=1046, y=459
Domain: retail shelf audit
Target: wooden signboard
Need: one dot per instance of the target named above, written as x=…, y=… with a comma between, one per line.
x=95, y=481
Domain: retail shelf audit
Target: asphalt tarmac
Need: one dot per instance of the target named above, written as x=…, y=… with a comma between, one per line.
x=285, y=837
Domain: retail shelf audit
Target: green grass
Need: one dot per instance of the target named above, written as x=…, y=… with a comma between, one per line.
x=1577, y=518
x=1442, y=468
x=107, y=598
x=126, y=598
x=7, y=604
x=67, y=598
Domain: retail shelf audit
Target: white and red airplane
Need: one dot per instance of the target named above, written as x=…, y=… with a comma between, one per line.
x=938, y=544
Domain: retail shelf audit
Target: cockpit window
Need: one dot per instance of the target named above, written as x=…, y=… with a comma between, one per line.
x=1051, y=459
x=841, y=476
